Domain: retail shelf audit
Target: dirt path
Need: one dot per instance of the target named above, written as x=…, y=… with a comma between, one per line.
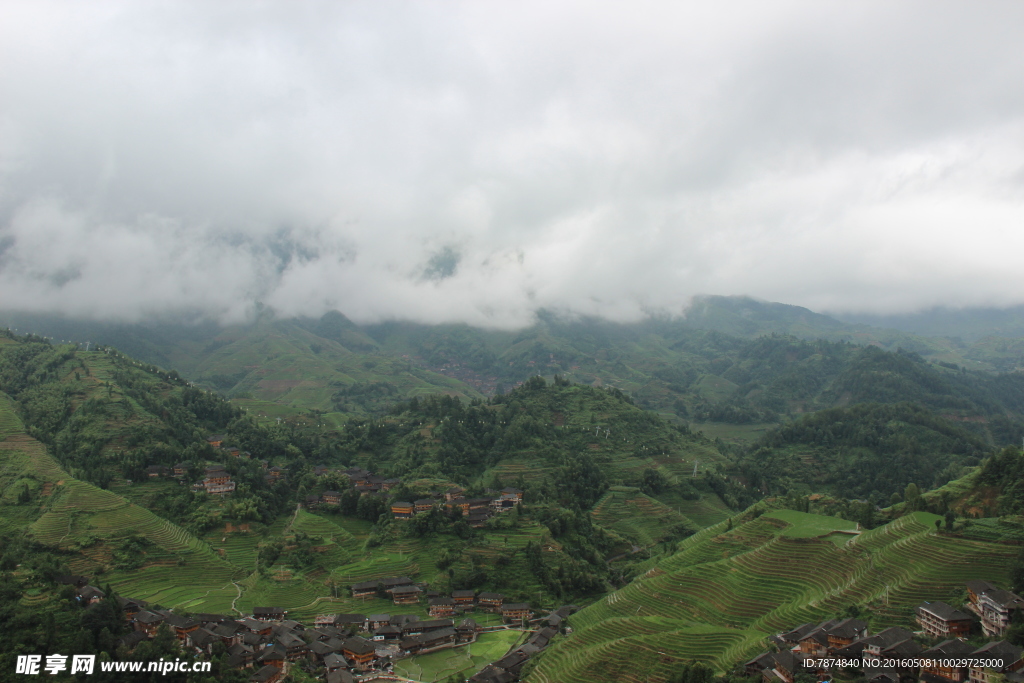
x=239, y=589
x=298, y=506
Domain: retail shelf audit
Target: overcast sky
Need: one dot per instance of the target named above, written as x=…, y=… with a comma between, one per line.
x=475, y=161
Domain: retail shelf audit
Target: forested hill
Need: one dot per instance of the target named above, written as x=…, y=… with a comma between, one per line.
x=730, y=360
x=104, y=416
x=866, y=451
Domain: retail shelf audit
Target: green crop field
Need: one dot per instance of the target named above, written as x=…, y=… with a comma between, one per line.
x=636, y=516
x=732, y=433
x=726, y=590
x=467, y=660
x=804, y=525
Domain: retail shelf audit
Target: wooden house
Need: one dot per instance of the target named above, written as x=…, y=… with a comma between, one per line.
x=266, y=674
x=405, y=595
x=424, y=505
x=215, y=440
x=516, y=611
x=490, y=601
x=441, y=607
x=182, y=626
x=942, y=621
x=874, y=645
x=466, y=630
x=510, y=492
x=339, y=676
x=216, y=474
x=154, y=471
x=941, y=661
x=975, y=588
x=845, y=632
x=359, y=652
x=997, y=608
x=335, y=661
x=492, y=674
x=381, y=586
x=415, y=627
x=513, y=663
x=387, y=633
x=375, y=621
x=90, y=595
x=257, y=626
x=131, y=607
x=429, y=640
x=403, y=509
x=1008, y=654
x=784, y=667
x=464, y=599
x=148, y=622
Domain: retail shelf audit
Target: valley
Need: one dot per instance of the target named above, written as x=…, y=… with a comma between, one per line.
x=694, y=492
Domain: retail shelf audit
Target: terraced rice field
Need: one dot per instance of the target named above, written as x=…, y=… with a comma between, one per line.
x=636, y=516
x=725, y=590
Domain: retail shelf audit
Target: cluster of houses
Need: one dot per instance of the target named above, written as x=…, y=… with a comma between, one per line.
x=84, y=593
x=216, y=480
x=341, y=646
x=362, y=480
x=476, y=510
x=404, y=591
x=804, y=648
x=266, y=641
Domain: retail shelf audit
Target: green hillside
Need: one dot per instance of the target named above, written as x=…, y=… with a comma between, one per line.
x=729, y=360
x=869, y=450
x=726, y=589
x=91, y=528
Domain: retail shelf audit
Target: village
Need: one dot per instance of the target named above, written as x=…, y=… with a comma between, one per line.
x=347, y=647
x=217, y=482
x=896, y=654
x=342, y=648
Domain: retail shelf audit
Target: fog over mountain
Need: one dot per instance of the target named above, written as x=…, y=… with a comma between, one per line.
x=444, y=161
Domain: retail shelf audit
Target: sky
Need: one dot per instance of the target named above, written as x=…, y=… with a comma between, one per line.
x=478, y=161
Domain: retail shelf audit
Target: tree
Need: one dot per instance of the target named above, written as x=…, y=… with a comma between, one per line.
x=912, y=495
x=950, y=518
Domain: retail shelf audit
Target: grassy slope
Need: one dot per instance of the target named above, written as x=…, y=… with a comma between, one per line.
x=284, y=363
x=69, y=514
x=724, y=591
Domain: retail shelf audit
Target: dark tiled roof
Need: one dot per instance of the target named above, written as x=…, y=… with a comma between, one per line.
x=943, y=611
x=1005, y=599
x=979, y=586
x=1000, y=649
x=358, y=646
x=264, y=674
x=949, y=648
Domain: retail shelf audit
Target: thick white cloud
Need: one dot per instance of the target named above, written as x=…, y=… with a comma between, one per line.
x=476, y=161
